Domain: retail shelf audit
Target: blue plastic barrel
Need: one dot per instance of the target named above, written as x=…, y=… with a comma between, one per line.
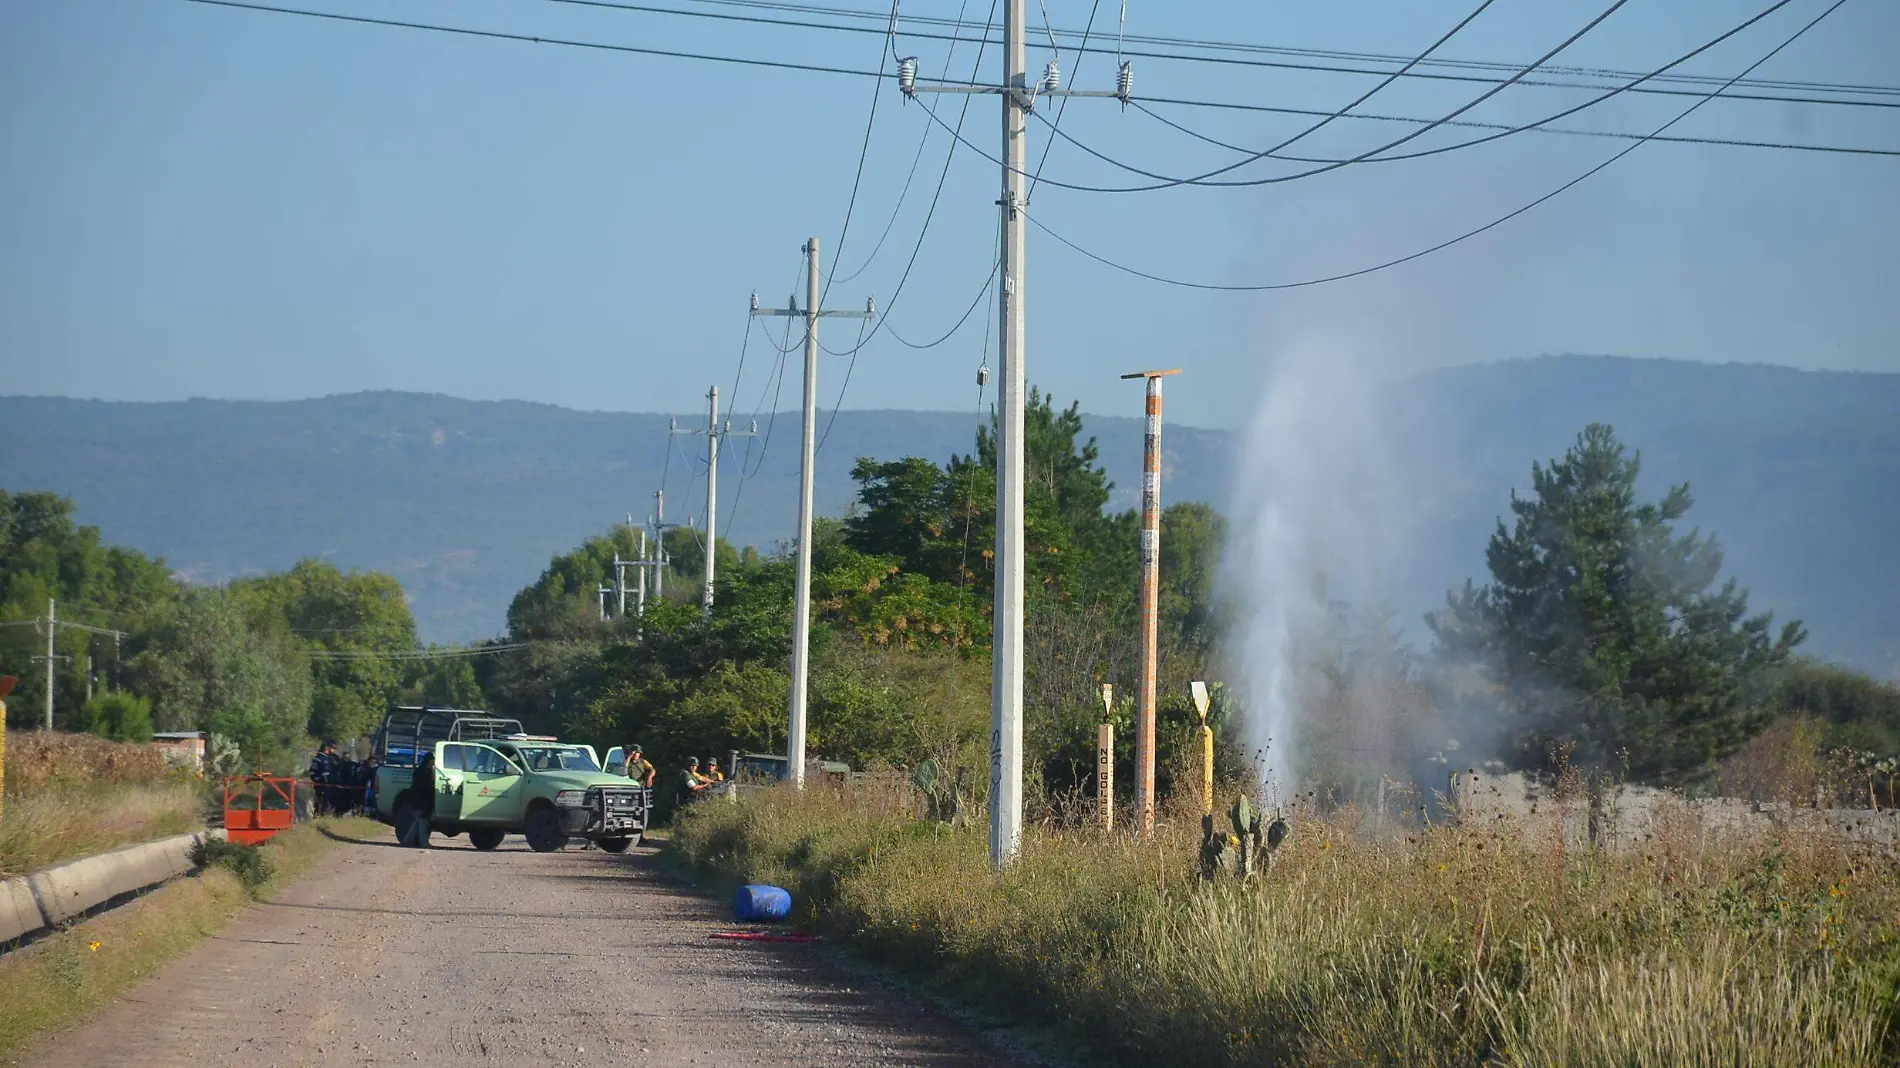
x=761, y=904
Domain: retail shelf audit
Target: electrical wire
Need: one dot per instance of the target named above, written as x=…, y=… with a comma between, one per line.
x=842, y=386
x=455, y=652
x=1279, y=50
x=952, y=332
x=915, y=159
x=738, y=494
x=864, y=153
x=499, y=35
x=1063, y=107
x=1438, y=150
x=1443, y=244
x=956, y=134
x=1141, y=105
x=1220, y=105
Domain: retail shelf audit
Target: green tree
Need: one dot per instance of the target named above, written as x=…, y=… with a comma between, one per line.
x=122, y=717
x=344, y=618
x=45, y=555
x=1604, y=629
x=206, y=668
x=443, y=682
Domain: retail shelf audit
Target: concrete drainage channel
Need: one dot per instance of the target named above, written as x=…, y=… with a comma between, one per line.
x=37, y=904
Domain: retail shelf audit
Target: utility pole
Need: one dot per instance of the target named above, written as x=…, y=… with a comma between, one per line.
x=1150, y=602
x=801, y=598
x=714, y=432
x=659, y=541
x=52, y=623
x=1006, y=694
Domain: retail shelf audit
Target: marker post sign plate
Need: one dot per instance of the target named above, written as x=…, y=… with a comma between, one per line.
x=1105, y=762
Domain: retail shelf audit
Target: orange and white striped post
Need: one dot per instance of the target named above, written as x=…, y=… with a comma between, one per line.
x=1150, y=603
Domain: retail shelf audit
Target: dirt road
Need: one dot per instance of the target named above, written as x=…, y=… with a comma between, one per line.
x=448, y=956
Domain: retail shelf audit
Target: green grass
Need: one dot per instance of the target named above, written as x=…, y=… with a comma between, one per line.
x=65, y=821
x=1454, y=947
x=58, y=981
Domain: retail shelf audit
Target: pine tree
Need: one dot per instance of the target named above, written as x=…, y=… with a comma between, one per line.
x=1603, y=630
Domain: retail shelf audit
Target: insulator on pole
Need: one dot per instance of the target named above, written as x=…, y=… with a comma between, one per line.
x=870, y=305
x=755, y=300
x=672, y=424
x=1051, y=77
x=907, y=75
x=1125, y=82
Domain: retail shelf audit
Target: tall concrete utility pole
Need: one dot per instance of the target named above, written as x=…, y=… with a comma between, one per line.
x=52, y=622
x=1006, y=694
x=1150, y=602
x=659, y=543
x=801, y=597
x=714, y=432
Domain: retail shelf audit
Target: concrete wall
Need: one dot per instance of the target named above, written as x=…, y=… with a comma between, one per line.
x=32, y=903
x=1633, y=815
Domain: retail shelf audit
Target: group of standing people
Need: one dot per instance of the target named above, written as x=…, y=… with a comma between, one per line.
x=342, y=784
x=693, y=779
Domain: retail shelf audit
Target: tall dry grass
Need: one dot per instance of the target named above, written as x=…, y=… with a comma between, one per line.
x=1452, y=946
x=72, y=795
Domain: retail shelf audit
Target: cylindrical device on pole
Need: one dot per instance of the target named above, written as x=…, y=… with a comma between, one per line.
x=1105, y=775
x=712, y=498
x=1006, y=690
x=801, y=596
x=1150, y=601
x=52, y=622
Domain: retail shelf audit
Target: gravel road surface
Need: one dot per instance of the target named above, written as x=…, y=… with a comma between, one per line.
x=392, y=956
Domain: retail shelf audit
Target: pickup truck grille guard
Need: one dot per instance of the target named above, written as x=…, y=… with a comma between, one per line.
x=617, y=810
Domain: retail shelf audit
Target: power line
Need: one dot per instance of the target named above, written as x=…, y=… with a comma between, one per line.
x=1453, y=241
x=499, y=35
x=1221, y=105
x=915, y=159
x=1166, y=182
x=1377, y=156
x=450, y=653
x=842, y=386
x=1141, y=105
x=956, y=135
x=957, y=25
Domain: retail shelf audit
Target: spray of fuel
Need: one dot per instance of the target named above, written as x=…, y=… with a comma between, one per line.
x=1308, y=529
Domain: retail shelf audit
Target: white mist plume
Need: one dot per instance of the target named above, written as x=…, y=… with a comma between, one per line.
x=1310, y=524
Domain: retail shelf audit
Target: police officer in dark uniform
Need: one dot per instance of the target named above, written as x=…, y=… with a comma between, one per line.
x=323, y=769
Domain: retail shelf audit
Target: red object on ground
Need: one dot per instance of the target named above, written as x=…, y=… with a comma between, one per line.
x=257, y=807
x=762, y=936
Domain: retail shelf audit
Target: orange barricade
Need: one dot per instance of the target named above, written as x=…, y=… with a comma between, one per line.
x=256, y=807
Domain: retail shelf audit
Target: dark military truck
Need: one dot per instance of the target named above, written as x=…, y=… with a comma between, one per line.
x=492, y=779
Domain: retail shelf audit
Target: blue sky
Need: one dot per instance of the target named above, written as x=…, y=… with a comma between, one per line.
x=209, y=202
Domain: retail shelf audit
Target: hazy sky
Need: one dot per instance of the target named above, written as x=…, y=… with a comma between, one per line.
x=199, y=201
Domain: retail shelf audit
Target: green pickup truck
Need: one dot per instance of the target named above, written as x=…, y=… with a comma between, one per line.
x=493, y=780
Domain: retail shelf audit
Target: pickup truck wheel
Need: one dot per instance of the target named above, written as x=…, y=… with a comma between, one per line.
x=485, y=838
x=614, y=845
x=543, y=829
x=404, y=816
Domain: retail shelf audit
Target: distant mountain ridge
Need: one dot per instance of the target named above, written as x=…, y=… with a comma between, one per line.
x=465, y=501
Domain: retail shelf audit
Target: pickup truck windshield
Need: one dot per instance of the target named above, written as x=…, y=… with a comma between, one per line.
x=556, y=758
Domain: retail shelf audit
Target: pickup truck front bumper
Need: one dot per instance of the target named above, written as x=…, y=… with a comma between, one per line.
x=608, y=812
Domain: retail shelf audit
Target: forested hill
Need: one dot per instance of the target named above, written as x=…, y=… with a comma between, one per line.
x=466, y=501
